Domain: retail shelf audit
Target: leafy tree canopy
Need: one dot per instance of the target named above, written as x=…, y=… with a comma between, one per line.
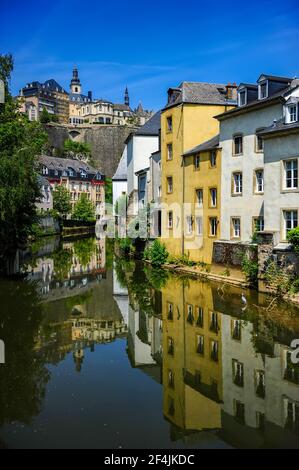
x=84, y=210
x=62, y=201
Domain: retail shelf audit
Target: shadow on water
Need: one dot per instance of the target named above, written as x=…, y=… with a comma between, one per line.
x=95, y=344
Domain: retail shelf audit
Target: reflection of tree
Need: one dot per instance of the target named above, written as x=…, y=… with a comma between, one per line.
x=62, y=263
x=84, y=250
x=23, y=378
x=157, y=277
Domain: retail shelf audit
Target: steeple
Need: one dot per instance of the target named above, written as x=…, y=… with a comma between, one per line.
x=75, y=82
x=127, y=98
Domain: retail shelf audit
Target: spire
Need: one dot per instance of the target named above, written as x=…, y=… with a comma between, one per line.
x=127, y=98
x=75, y=82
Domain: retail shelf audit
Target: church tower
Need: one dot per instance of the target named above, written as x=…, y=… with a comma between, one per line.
x=127, y=98
x=75, y=83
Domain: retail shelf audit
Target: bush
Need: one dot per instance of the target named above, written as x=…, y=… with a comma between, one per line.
x=126, y=246
x=293, y=237
x=250, y=268
x=156, y=254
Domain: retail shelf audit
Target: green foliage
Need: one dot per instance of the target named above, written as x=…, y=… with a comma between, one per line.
x=126, y=246
x=84, y=210
x=84, y=250
x=74, y=149
x=63, y=260
x=21, y=141
x=121, y=205
x=62, y=201
x=108, y=191
x=156, y=254
x=250, y=268
x=279, y=280
x=184, y=260
x=293, y=237
x=46, y=117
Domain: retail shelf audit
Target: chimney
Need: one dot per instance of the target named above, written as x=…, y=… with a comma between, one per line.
x=89, y=94
x=231, y=92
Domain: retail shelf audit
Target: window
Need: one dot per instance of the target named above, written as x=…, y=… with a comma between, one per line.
x=213, y=226
x=242, y=98
x=259, y=181
x=236, y=227
x=238, y=145
x=260, y=421
x=199, y=227
x=169, y=124
x=170, y=346
x=214, y=351
x=169, y=152
x=237, y=330
x=237, y=183
x=171, y=408
x=199, y=197
x=169, y=185
x=259, y=143
x=199, y=317
x=263, y=90
x=214, y=322
x=239, y=411
x=213, y=159
x=189, y=224
x=169, y=311
x=238, y=373
x=292, y=415
x=190, y=315
x=170, y=379
x=200, y=345
x=291, y=221
x=213, y=197
x=291, y=174
x=45, y=170
x=292, y=113
x=258, y=224
x=291, y=371
x=196, y=162
x=260, y=389
x=170, y=220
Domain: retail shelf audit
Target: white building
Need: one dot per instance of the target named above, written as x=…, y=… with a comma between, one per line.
x=119, y=180
x=140, y=146
x=242, y=181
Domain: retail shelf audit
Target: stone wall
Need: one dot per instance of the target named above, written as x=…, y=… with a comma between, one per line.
x=232, y=253
x=107, y=142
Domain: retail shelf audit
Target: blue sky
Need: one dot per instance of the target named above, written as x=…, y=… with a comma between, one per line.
x=149, y=46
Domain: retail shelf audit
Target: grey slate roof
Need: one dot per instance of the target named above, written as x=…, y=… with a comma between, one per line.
x=65, y=163
x=152, y=126
x=260, y=103
x=78, y=98
x=208, y=145
x=200, y=93
x=275, y=78
x=42, y=181
x=121, y=107
x=122, y=171
x=279, y=126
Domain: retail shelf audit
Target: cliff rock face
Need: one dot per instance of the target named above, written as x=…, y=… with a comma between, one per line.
x=107, y=142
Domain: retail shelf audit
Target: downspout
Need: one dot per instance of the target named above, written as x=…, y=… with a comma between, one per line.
x=183, y=195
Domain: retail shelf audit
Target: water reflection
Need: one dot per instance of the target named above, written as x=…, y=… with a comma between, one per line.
x=223, y=371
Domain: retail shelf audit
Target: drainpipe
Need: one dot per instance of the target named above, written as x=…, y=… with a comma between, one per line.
x=183, y=208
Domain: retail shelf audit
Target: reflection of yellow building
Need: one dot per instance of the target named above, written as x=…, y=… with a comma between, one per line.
x=192, y=372
x=187, y=121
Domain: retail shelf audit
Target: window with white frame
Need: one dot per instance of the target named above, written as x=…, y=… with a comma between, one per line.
x=258, y=224
x=236, y=227
x=169, y=152
x=238, y=145
x=237, y=183
x=199, y=197
x=199, y=226
x=200, y=345
x=292, y=113
x=290, y=220
x=169, y=184
x=259, y=181
x=169, y=123
x=263, y=90
x=189, y=225
x=197, y=162
x=291, y=174
x=45, y=170
x=238, y=373
x=242, y=98
x=259, y=143
x=213, y=226
x=213, y=197
x=213, y=159
x=170, y=220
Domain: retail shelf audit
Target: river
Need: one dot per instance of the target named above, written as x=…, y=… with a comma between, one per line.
x=103, y=352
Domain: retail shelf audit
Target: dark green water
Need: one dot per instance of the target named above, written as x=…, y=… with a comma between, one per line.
x=105, y=353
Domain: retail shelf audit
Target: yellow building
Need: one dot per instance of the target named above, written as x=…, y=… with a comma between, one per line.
x=192, y=356
x=189, y=224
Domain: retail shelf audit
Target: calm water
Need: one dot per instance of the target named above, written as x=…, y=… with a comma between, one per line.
x=106, y=353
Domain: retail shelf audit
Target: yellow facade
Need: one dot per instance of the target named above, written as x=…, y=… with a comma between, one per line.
x=192, y=380
x=192, y=124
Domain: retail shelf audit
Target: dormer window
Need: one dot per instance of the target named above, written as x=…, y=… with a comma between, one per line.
x=263, y=90
x=45, y=170
x=242, y=97
x=291, y=113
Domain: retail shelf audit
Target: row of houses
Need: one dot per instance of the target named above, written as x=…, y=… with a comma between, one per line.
x=219, y=162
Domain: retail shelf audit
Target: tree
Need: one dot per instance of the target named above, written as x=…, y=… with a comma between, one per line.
x=79, y=150
x=21, y=141
x=45, y=117
x=108, y=191
x=84, y=210
x=62, y=201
